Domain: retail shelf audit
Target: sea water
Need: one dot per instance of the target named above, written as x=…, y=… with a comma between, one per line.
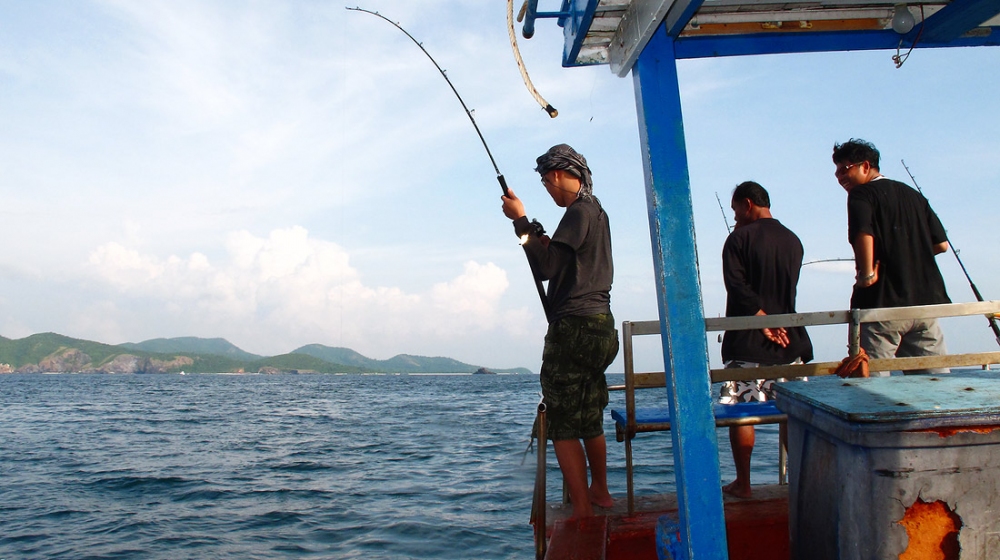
x=287, y=466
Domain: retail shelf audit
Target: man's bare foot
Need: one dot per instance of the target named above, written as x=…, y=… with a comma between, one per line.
x=735, y=488
x=601, y=499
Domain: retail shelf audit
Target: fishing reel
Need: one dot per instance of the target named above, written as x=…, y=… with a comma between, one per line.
x=535, y=230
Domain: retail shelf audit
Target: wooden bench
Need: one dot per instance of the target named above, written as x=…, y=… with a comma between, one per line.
x=634, y=420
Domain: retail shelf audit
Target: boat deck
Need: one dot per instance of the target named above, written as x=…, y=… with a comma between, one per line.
x=756, y=528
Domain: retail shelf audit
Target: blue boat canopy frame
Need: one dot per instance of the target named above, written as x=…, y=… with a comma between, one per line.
x=645, y=38
x=614, y=32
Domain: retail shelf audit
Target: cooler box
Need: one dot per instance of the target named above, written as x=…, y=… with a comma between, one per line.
x=884, y=466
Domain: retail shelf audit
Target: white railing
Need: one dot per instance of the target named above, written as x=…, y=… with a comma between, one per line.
x=853, y=318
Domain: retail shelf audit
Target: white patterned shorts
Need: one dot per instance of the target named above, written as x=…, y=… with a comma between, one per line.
x=753, y=390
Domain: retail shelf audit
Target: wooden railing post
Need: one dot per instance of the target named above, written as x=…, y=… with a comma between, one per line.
x=629, y=364
x=854, y=333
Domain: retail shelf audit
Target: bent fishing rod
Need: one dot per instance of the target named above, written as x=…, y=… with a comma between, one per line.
x=954, y=251
x=500, y=178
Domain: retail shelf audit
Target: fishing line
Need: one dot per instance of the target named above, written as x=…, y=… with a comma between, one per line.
x=954, y=251
x=520, y=63
x=500, y=178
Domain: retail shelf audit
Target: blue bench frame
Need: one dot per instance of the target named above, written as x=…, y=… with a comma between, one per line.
x=657, y=419
x=659, y=416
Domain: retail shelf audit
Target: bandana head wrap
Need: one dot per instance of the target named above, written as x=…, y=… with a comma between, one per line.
x=565, y=158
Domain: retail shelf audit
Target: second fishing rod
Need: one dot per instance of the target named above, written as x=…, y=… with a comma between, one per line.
x=979, y=297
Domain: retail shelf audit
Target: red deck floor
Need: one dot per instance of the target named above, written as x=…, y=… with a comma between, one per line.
x=756, y=529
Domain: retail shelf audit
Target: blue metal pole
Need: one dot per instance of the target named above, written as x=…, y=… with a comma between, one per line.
x=675, y=259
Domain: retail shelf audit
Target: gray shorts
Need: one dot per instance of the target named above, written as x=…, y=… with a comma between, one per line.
x=904, y=339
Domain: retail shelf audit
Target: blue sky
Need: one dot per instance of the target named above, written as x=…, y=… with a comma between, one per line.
x=280, y=174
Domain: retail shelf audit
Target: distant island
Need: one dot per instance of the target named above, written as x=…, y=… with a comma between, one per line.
x=55, y=353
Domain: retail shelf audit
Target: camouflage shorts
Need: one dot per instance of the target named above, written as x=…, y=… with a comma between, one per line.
x=577, y=351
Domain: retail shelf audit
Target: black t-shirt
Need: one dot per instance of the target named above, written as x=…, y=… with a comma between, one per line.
x=577, y=262
x=760, y=267
x=905, y=229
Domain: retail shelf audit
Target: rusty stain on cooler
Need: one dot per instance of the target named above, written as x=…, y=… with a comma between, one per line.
x=932, y=528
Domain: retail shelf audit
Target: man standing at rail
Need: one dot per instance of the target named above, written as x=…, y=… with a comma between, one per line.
x=761, y=260
x=895, y=235
x=581, y=340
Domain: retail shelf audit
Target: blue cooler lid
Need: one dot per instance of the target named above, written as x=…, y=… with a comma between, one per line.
x=961, y=397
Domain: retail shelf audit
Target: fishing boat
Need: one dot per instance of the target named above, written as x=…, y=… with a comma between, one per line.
x=644, y=39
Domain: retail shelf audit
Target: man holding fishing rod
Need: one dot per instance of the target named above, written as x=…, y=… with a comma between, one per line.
x=581, y=340
x=895, y=235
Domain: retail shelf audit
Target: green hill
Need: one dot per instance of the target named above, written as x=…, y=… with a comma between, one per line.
x=302, y=363
x=403, y=363
x=51, y=352
x=337, y=355
x=35, y=348
x=192, y=345
x=421, y=364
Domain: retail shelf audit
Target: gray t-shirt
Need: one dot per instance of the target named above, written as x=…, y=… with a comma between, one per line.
x=577, y=261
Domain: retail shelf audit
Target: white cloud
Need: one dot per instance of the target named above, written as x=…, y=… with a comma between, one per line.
x=300, y=290
x=472, y=298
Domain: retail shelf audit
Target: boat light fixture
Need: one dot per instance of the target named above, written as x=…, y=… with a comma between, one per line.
x=902, y=19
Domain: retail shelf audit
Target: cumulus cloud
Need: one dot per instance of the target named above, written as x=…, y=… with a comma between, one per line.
x=297, y=290
x=472, y=298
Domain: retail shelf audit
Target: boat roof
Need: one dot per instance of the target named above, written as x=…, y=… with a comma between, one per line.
x=614, y=32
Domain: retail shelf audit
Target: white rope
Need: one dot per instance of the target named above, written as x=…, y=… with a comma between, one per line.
x=520, y=63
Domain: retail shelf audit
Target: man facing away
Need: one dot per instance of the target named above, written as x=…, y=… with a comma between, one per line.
x=761, y=260
x=581, y=341
x=895, y=235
